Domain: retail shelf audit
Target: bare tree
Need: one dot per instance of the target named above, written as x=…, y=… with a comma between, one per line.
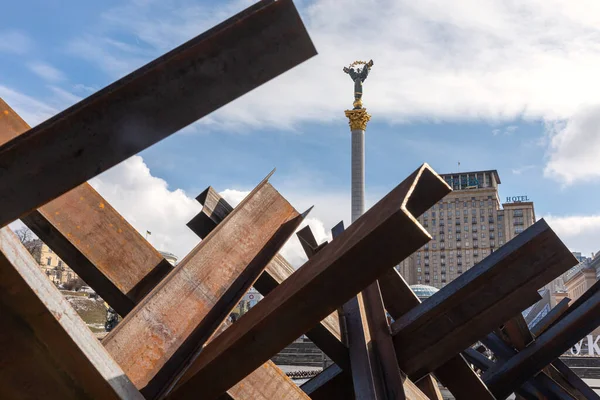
x=25, y=234
x=30, y=241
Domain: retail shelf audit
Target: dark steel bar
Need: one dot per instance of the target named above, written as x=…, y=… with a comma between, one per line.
x=478, y=359
x=326, y=335
x=88, y=234
x=551, y=317
x=170, y=326
x=305, y=298
x=575, y=380
x=429, y=387
x=92, y=237
x=157, y=100
x=480, y=300
x=455, y=374
x=546, y=348
x=332, y=383
x=47, y=350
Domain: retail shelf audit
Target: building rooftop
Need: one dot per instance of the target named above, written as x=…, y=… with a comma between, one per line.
x=492, y=171
x=424, y=291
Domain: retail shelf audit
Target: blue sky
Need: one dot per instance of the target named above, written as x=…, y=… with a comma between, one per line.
x=493, y=85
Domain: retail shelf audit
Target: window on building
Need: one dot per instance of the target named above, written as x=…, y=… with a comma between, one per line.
x=466, y=228
x=481, y=203
x=473, y=212
x=418, y=269
x=49, y=261
x=59, y=263
x=481, y=218
x=433, y=245
x=518, y=213
x=518, y=230
x=499, y=233
x=426, y=214
x=433, y=214
x=441, y=214
x=500, y=217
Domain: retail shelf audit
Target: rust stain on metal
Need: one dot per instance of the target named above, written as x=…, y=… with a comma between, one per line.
x=193, y=300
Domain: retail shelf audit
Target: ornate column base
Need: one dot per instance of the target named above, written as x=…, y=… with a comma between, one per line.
x=357, y=119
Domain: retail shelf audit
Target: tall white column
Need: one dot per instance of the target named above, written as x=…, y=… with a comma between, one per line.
x=358, y=173
x=358, y=124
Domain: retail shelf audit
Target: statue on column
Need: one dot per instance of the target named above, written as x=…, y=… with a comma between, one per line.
x=358, y=76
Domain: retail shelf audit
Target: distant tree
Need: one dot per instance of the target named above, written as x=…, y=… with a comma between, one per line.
x=25, y=234
x=74, y=284
x=30, y=241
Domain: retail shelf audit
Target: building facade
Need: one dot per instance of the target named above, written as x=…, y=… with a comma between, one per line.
x=50, y=263
x=466, y=226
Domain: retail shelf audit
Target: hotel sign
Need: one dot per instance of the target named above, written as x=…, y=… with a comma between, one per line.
x=516, y=199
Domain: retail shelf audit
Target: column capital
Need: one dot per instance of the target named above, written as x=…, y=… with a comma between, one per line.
x=357, y=119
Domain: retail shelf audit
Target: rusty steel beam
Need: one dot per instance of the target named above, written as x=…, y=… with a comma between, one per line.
x=47, y=350
x=92, y=237
x=455, y=374
x=305, y=298
x=501, y=379
x=326, y=334
x=548, y=319
x=170, y=326
x=162, y=97
x=332, y=383
x=429, y=387
x=105, y=242
x=518, y=335
x=375, y=370
x=480, y=300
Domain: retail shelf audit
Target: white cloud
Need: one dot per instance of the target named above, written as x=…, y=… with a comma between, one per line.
x=578, y=232
x=148, y=204
x=434, y=59
x=14, y=42
x=574, y=147
x=33, y=111
x=520, y=170
x=46, y=71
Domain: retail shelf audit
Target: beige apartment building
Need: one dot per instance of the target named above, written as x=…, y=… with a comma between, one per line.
x=55, y=269
x=466, y=226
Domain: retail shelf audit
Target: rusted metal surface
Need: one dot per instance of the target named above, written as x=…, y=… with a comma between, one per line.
x=429, y=386
x=547, y=347
x=160, y=336
x=47, y=350
x=305, y=298
x=375, y=371
x=480, y=299
x=326, y=334
x=100, y=246
x=455, y=374
x=150, y=104
x=11, y=123
x=93, y=238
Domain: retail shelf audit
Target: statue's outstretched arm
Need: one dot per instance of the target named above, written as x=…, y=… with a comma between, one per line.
x=364, y=73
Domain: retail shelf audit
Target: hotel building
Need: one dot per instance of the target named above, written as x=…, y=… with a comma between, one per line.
x=466, y=226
